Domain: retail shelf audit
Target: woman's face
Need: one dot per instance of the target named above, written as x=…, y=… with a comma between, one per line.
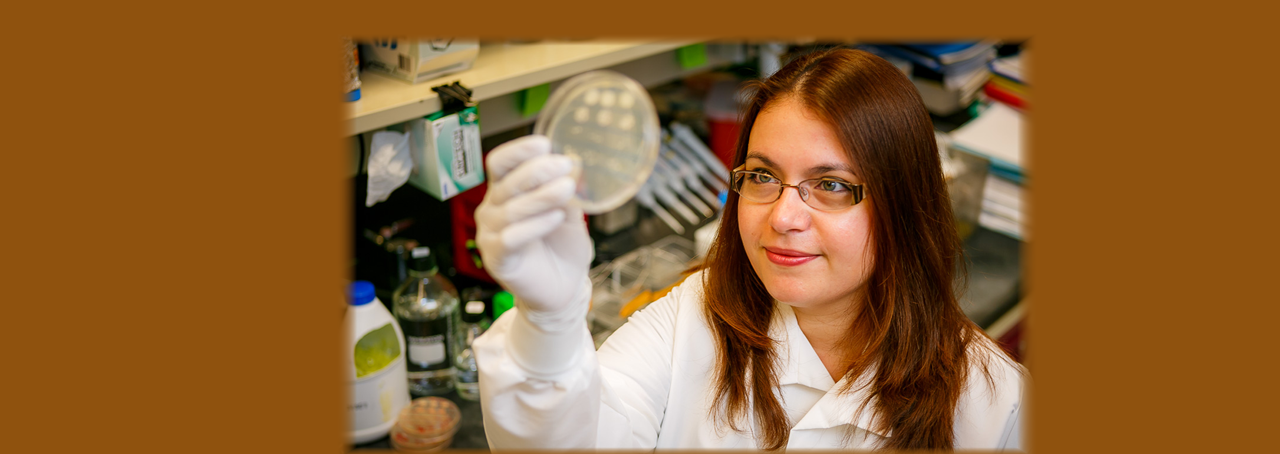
x=806, y=258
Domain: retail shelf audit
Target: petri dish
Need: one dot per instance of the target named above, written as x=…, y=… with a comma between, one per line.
x=607, y=123
x=426, y=425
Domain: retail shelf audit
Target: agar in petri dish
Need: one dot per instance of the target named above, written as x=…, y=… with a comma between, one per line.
x=607, y=123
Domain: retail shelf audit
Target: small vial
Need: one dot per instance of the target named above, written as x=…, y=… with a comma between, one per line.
x=472, y=324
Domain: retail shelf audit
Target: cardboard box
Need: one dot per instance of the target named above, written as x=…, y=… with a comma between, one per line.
x=417, y=61
x=446, y=153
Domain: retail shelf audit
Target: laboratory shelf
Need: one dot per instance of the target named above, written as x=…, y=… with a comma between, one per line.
x=504, y=69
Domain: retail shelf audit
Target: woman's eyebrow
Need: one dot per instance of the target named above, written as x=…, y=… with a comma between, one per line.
x=831, y=168
x=767, y=162
x=815, y=170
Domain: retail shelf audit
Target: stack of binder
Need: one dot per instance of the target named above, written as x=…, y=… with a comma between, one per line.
x=948, y=75
x=1008, y=82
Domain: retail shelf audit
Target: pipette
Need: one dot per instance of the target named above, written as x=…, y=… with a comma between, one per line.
x=690, y=175
x=675, y=148
x=668, y=176
x=691, y=156
x=670, y=200
x=686, y=135
x=645, y=198
x=689, y=181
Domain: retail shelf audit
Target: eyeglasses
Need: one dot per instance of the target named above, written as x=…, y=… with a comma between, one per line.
x=826, y=194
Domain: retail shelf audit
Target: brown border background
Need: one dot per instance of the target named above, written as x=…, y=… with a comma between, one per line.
x=180, y=225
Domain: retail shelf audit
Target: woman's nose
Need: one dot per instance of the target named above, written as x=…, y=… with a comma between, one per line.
x=789, y=212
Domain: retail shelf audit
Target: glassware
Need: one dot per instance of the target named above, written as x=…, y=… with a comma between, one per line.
x=426, y=425
x=424, y=306
x=607, y=123
x=471, y=324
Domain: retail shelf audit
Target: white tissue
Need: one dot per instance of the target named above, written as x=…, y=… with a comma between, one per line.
x=389, y=165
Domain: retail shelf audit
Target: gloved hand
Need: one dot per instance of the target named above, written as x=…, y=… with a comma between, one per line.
x=532, y=241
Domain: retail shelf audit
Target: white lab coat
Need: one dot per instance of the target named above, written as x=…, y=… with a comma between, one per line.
x=650, y=386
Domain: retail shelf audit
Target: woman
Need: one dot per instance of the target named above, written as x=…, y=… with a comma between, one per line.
x=824, y=317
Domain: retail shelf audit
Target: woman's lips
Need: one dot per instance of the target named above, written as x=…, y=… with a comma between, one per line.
x=787, y=257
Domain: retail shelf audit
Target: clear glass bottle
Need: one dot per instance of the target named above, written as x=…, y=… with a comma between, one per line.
x=425, y=304
x=471, y=324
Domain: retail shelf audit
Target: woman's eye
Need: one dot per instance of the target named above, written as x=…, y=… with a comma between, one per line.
x=833, y=186
x=761, y=178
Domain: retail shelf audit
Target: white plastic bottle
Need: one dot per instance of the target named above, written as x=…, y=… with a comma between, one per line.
x=375, y=363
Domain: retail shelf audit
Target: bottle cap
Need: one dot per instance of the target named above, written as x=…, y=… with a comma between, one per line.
x=422, y=260
x=501, y=302
x=360, y=293
x=473, y=311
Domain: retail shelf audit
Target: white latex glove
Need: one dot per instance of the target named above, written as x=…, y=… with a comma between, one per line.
x=532, y=240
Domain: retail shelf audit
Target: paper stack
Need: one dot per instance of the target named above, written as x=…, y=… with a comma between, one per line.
x=997, y=135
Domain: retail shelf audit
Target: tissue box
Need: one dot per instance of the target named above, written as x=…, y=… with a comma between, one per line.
x=446, y=153
x=416, y=61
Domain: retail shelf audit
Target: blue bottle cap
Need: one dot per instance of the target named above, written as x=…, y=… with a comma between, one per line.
x=360, y=293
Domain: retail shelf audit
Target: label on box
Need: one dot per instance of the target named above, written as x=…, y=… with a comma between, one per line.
x=458, y=149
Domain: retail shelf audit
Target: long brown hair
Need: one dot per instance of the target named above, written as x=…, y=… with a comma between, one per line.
x=909, y=329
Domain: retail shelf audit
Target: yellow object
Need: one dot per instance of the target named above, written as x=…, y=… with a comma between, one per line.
x=1009, y=85
x=639, y=301
x=387, y=403
x=646, y=297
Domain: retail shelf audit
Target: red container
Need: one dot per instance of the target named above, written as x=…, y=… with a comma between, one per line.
x=724, y=137
x=466, y=257
x=724, y=102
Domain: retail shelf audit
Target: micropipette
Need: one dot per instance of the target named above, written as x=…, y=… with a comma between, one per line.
x=686, y=152
x=687, y=156
x=669, y=176
x=686, y=135
x=690, y=175
x=667, y=198
x=645, y=198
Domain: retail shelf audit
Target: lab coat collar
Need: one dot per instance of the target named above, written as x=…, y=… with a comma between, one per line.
x=800, y=365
